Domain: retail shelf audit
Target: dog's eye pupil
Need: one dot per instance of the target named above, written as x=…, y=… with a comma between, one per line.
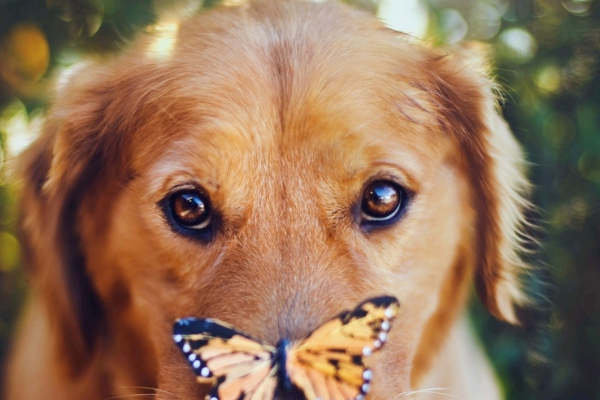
x=190, y=209
x=381, y=201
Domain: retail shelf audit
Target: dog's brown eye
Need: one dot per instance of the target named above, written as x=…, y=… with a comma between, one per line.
x=190, y=209
x=382, y=201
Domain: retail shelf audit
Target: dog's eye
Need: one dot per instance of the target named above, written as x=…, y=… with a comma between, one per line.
x=190, y=209
x=382, y=201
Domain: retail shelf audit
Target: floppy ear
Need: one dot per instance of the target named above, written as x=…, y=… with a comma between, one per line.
x=82, y=158
x=78, y=145
x=495, y=165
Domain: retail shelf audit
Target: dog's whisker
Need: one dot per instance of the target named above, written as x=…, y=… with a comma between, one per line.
x=147, y=388
x=156, y=392
x=127, y=396
x=435, y=391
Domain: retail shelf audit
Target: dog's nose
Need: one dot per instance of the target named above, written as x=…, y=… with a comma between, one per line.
x=293, y=394
x=290, y=397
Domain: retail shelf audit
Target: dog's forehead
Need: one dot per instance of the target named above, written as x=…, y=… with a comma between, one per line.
x=264, y=67
x=310, y=97
x=324, y=134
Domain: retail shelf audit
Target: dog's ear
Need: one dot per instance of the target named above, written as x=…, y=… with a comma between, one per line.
x=495, y=164
x=82, y=140
x=82, y=158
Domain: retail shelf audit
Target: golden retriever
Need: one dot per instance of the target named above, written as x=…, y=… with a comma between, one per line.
x=285, y=160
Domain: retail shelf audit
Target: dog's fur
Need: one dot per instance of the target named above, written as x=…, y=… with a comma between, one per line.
x=282, y=112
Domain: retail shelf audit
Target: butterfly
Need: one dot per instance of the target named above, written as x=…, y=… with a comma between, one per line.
x=326, y=365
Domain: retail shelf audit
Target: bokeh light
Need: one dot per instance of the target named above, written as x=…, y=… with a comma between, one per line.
x=162, y=43
x=484, y=21
x=408, y=16
x=24, y=54
x=589, y=166
x=19, y=127
x=517, y=44
x=579, y=8
x=548, y=79
x=453, y=27
x=10, y=254
x=558, y=130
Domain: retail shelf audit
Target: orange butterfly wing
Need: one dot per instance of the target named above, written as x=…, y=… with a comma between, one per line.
x=328, y=365
x=238, y=366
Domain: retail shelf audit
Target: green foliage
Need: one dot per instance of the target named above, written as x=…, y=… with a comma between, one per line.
x=547, y=56
x=553, y=105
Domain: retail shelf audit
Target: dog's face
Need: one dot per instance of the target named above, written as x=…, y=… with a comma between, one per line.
x=272, y=172
x=275, y=220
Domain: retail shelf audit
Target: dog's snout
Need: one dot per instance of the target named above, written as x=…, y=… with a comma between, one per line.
x=296, y=318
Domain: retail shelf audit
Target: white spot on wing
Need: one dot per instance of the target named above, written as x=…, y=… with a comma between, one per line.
x=389, y=312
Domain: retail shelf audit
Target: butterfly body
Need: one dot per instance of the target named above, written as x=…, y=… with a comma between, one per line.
x=327, y=365
x=281, y=359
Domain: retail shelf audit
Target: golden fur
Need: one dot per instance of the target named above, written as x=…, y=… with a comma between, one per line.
x=281, y=112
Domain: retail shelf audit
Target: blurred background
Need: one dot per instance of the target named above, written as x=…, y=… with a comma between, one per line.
x=546, y=55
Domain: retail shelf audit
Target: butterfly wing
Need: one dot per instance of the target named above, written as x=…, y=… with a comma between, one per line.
x=329, y=364
x=239, y=367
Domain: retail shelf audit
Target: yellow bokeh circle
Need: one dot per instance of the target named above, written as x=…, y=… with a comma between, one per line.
x=25, y=53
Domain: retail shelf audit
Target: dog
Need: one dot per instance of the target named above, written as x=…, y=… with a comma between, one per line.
x=283, y=161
